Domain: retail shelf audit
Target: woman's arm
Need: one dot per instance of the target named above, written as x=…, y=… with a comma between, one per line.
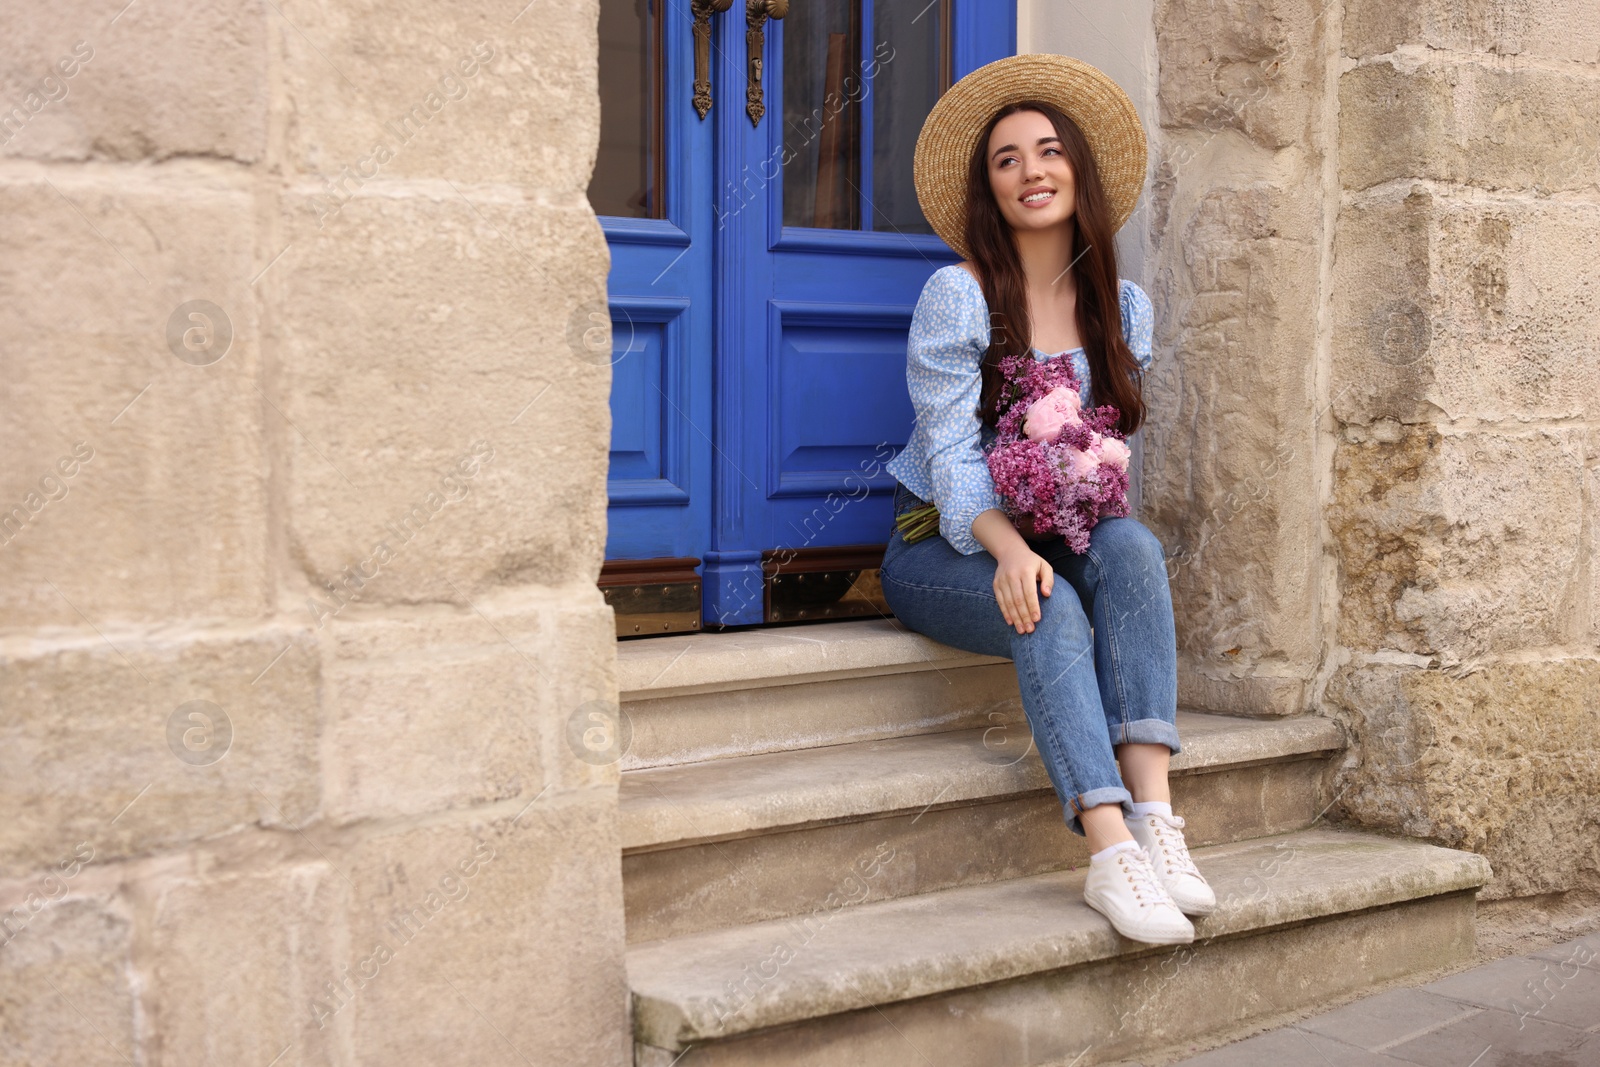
x=949, y=334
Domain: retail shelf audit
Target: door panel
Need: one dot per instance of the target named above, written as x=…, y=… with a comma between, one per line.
x=825, y=438
x=650, y=442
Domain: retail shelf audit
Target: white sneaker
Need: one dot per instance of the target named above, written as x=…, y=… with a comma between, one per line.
x=1124, y=889
x=1161, y=837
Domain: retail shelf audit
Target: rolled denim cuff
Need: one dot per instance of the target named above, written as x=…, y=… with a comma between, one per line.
x=1094, y=798
x=1147, y=732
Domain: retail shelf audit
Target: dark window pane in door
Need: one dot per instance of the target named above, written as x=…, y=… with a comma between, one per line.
x=908, y=49
x=627, y=171
x=822, y=93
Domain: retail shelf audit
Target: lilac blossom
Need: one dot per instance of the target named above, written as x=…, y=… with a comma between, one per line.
x=1072, y=471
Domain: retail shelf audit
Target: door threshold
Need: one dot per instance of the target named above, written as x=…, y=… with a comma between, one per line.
x=663, y=596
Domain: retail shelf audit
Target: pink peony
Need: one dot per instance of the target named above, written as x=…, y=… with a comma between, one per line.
x=1052, y=413
x=1115, y=453
x=1081, y=464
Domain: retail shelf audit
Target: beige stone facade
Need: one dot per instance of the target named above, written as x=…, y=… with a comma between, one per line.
x=1465, y=393
x=1374, y=452
x=297, y=584
x=366, y=527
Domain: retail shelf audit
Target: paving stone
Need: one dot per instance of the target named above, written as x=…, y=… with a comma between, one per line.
x=1388, y=1019
x=1289, y=1045
x=1499, y=1039
x=1553, y=990
x=1585, y=951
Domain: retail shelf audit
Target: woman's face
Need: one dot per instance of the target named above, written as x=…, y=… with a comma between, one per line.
x=1029, y=173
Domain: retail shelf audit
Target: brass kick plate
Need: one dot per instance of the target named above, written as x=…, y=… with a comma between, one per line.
x=655, y=608
x=653, y=596
x=824, y=583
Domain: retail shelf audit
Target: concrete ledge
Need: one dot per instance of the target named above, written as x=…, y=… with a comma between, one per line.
x=709, y=663
x=725, y=798
x=688, y=989
x=673, y=891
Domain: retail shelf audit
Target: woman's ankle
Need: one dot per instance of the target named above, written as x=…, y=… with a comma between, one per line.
x=1103, y=826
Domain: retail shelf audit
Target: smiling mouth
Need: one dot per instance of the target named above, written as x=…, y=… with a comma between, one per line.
x=1039, y=196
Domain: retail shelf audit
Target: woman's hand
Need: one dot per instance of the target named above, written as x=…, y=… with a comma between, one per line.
x=1020, y=573
x=1020, y=576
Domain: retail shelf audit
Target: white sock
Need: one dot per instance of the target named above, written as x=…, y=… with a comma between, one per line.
x=1111, y=850
x=1152, y=807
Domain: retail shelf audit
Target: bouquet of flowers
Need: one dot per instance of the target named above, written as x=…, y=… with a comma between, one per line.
x=1058, y=468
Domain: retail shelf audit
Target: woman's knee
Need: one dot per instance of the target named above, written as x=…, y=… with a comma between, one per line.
x=1061, y=616
x=1128, y=545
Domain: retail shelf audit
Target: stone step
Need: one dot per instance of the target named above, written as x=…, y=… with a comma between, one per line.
x=759, y=837
x=1022, y=972
x=698, y=697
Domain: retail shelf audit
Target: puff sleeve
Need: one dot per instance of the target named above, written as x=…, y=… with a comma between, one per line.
x=949, y=335
x=1138, y=322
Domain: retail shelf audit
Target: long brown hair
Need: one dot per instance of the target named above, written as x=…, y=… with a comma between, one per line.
x=1114, y=373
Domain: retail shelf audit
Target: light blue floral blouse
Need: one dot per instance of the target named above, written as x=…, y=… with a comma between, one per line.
x=943, y=462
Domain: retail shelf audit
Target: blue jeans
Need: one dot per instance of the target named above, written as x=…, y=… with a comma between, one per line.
x=1084, y=688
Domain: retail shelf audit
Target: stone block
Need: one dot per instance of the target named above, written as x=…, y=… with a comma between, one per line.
x=146, y=81
x=1523, y=128
x=1520, y=322
x=479, y=93
x=234, y=958
x=435, y=454
x=1556, y=29
x=698, y=726
x=1592, y=483
x=1020, y=973
x=67, y=988
x=1445, y=307
x=1459, y=545
x=1502, y=761
x=1228, y=470
x=1383, y=310
x=744, y=879
x=444, y=710
x=468, y=921
x=118, y=745
x=136, y=484
x=1253, y=66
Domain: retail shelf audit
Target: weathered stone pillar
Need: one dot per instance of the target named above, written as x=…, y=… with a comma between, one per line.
x=1238, y=232
x=1466, y=387
x=303, y=508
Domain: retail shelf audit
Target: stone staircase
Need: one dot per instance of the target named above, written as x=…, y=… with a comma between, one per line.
x=840, y=848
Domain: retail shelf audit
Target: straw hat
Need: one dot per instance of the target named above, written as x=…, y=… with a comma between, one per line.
x=1095, y=102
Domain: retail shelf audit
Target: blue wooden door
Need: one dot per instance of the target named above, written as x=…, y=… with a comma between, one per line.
x=765, y=316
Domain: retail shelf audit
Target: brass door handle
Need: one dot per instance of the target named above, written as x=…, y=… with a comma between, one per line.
x=703, y=10
x=756, y=13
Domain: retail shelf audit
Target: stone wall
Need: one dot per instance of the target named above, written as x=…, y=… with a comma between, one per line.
x=1465, y=383
x=303, y=508
x=1238, y=209
x=1375, y=435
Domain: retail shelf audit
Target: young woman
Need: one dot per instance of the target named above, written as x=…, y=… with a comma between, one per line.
x=1026, y=168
